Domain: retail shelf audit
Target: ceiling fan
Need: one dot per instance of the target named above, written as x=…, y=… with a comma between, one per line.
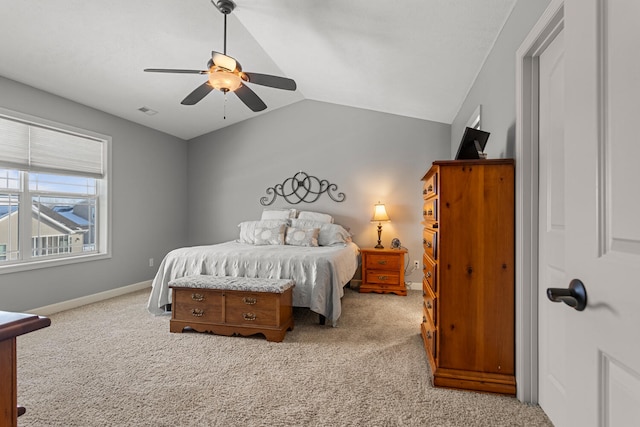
x=226, y=75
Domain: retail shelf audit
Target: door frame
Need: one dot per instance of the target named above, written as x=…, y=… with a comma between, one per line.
x=527, y=192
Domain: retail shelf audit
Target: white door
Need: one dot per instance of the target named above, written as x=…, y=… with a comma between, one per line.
x=599, y=369
x=551, y=231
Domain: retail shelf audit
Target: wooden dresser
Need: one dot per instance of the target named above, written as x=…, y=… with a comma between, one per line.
x=383, y=271
x=468, y=324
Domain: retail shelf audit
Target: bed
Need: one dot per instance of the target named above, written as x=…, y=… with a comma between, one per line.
x=317, y=254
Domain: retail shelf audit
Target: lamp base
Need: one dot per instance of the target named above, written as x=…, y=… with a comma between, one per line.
x=379, y=245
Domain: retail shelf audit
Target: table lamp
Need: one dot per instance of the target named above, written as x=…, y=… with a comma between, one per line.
x=380, y=216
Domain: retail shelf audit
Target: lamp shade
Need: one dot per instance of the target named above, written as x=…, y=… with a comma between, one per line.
x=380, y=213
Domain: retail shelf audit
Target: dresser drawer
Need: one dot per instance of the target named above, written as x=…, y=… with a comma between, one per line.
x=251, y=308
x=382, y=277
x=430, y=270
x=430, y=188
x=429, y=241
x=429, y=304
x=429, y=332
x=198, y=305
x=430, y=210
x=383, y=261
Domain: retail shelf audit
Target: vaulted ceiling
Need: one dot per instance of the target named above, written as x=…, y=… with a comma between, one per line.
x=415, y=58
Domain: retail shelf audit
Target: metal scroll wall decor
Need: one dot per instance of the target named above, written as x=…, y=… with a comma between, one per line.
x=302, y=188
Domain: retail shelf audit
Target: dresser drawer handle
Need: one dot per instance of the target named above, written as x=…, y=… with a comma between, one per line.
x=428, y=275
x=429, y=306
x=430, y=188
x=382, y=262
x=430, y=212
x=428, y=335
x=197, y=297
x=383, y=277
x=249, y=316
x=424, y=319
x=424, y=191
x=197, y=312
x=249, y=300
x=429, y=244
x=424, y=213
x=424, y=241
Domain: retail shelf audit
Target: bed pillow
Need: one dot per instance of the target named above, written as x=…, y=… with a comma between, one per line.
x=278, y=214
x=315, y=216
x=302, y=236
x=248, y=228
x=330, y=234
x=270, y=235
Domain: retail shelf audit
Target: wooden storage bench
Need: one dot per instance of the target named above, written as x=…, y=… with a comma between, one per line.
x=233, y=305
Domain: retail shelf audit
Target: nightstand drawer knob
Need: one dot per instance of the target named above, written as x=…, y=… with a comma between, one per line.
x=383, y=277
x=249, y=301
x=197, y=312
x=382, y=262
x=249, y=316
x=197, y=297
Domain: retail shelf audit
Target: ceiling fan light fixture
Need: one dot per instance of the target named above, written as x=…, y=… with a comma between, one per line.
x=224, y=80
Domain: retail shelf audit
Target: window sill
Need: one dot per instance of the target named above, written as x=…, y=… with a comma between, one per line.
x=34, y=265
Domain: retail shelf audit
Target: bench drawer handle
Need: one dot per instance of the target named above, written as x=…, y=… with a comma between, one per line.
x=249, y=301
x=197, y=312
x=197, y=297
x=249, y=316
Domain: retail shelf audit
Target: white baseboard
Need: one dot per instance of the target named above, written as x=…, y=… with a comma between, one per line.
x=416, y=286
x=89, y=299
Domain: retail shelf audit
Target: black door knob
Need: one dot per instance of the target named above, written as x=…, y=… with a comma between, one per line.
x=575, y=296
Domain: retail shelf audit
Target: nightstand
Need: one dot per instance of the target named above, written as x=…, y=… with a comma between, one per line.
x=383, y=271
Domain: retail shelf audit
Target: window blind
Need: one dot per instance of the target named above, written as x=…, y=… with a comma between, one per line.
x=26, y=146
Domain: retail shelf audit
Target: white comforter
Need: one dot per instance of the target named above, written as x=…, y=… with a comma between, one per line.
x=320, y=272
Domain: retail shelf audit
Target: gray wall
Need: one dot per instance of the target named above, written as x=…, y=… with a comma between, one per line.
x=149, y=204
x=495, y=85
x=370, y=156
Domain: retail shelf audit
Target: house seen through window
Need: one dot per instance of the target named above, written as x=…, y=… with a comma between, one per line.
x=53, y=198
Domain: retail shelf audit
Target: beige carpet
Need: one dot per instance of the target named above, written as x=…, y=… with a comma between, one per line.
x=114, y=364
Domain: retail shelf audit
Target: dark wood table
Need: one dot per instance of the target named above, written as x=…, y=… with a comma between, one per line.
x=11, y=326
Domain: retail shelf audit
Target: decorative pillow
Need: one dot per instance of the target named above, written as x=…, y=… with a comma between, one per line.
x=330, y=234
x=248, y=228
x=278, y=214
x=315, y=216
x=270, y=235
x=302, y=236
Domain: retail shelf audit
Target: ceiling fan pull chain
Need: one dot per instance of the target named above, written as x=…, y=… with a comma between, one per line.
x=224, y=114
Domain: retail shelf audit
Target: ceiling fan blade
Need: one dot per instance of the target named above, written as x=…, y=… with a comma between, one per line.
x=224, y=61
x=169, y=70
x=199, y=93
x=250, y=98
x=271, y=81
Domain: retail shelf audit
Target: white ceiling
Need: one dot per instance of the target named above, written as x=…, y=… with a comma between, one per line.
x=415, y=58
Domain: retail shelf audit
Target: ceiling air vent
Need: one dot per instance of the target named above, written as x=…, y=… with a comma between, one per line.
x=148, y=111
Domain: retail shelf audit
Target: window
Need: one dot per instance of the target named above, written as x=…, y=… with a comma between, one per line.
x=53, y=193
